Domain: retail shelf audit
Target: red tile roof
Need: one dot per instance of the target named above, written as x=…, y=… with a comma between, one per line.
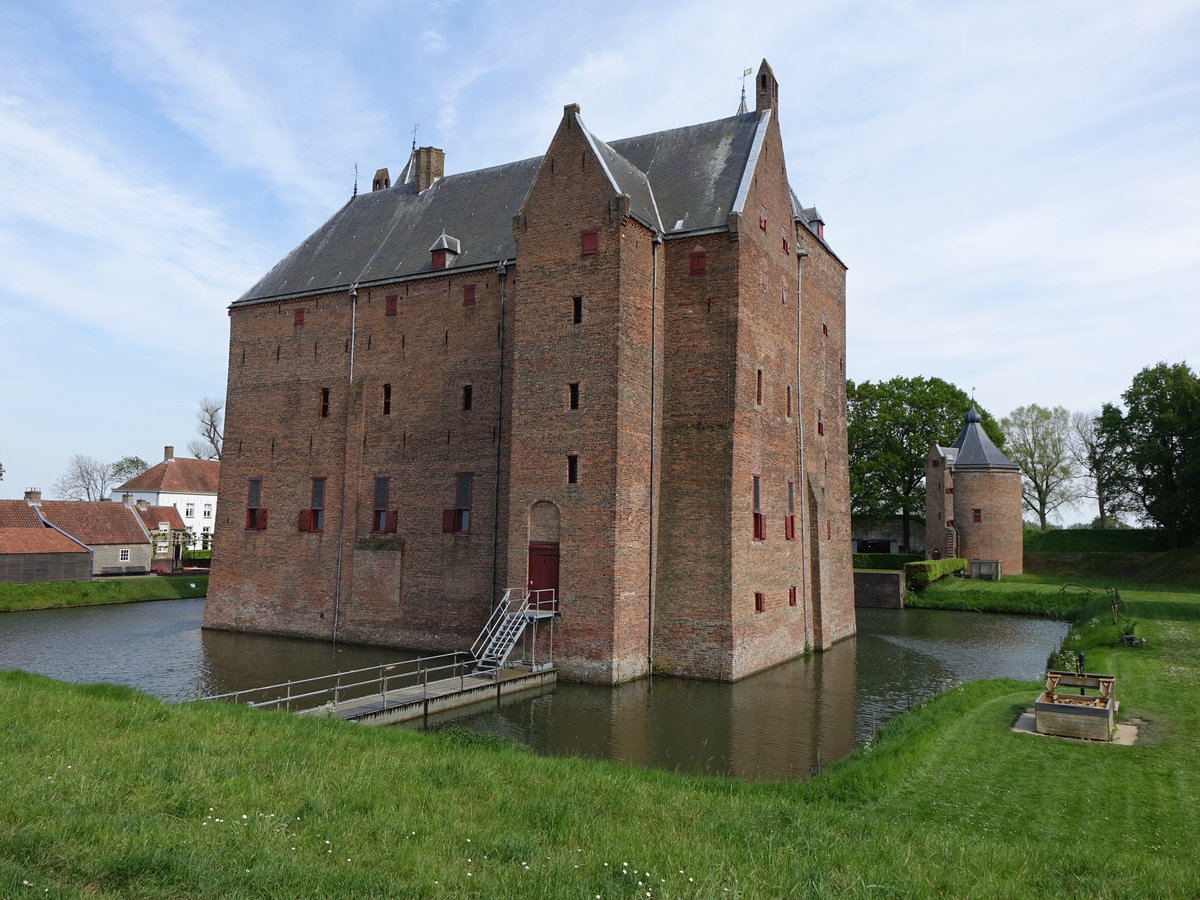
x=178, y=475
x=36, y=540
x=95, y=523
x=18, y=514
x=153, y=515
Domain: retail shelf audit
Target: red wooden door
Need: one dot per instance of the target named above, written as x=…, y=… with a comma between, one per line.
x=543, y=574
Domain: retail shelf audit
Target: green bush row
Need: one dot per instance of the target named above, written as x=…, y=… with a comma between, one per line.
x=197, y=554
x=891, y=561
x=919, y=575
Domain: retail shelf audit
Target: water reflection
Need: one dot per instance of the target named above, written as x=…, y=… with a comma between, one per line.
x=782, y=723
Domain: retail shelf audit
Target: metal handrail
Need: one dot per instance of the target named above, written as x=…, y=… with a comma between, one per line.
x=498, y=613
x=416, y=669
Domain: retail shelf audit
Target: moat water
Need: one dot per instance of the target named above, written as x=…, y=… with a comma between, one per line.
x=786, y=722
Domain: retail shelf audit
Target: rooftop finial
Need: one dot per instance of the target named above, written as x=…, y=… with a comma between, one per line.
x=742, y=105
x=416, y=128
x=355, y=194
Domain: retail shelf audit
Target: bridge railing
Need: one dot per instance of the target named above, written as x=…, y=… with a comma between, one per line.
x=312, y=693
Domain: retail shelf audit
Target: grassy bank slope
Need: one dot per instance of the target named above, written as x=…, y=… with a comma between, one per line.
x=111, y=794
x=57, y=594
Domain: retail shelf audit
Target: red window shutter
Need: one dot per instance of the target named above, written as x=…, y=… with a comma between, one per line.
x=298, y=316
x=760, y=602
x=391, y=520
x=468, y=295
x=262, y=520
x=589, y=243
x=762, y=219
x=950, y=490
x=789, y=528
x=390, y=306
x=306, y=520
x=251, y=519
x=699, y=263
x=438, y=260
x=760, y=527
x=449, y=519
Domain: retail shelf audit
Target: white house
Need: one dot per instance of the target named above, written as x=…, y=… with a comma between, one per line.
x=190, y=485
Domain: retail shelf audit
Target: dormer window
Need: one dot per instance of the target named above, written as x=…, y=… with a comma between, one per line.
x=444, y=251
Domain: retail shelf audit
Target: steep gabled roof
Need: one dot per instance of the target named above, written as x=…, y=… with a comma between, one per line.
x=94, y=523
x=682, y=180
x=178, y=475
x=975, y=448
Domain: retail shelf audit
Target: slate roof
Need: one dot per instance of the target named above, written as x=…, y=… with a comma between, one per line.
x=151, y=516
x=95, y=523
x=684, y=180
x=178, y=475
x=36, y=540
x=975, y=449
x=18, y=514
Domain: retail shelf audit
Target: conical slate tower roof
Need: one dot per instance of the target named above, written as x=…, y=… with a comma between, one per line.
x=975, y=448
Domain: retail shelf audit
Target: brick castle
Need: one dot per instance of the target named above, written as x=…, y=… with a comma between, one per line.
x=615, y=372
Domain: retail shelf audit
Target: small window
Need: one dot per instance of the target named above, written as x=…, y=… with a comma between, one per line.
x=760, y=520
x=576, y=310
x=313, y=518
x=758, y=388
x=387, y=399
x=792, y=595
x=298, y=316
x=589, y=242
x=572, y=469
x=699, y=263
x=789, y=522
x=789, y=401
x=820, y=423
x=458, y=519
x=383, y=520
x=762, y=219
x=189, y=510
x=468, y=396
x=468, y=295
x=787, y=248
x=256, y=513
x=949, y=490
x=438, y=259
x=124, y=556
x=573, y=394
x=828, y=530
x=977, y=515
x=208, y=510
x=324, y=402
x=389, y=305
x=760, y=601
x=949, y=523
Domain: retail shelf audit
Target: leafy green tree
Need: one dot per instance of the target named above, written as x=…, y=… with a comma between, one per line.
x=128, y=467
x=1, y=471
x=891, y=426
x=1038, y=440
x=1155, y=447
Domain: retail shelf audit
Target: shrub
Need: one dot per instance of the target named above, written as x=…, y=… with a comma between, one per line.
x=889, y=561
x=197, y=554
x=919, y=575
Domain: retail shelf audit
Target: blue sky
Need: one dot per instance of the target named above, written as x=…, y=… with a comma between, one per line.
x=1014, y=186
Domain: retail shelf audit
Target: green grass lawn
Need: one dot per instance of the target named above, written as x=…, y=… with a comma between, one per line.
x=108, y=793
x=57, y=594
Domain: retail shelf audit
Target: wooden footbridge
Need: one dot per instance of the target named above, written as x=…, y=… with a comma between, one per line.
x=417, y=688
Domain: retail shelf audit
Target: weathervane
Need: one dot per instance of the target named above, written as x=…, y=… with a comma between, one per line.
x=416, y=128
x=745, y=74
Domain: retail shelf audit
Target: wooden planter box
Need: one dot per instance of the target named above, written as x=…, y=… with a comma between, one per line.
x=1078, y=706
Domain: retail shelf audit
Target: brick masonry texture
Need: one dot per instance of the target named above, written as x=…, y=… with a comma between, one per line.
x=953, y=495
x=658, y=562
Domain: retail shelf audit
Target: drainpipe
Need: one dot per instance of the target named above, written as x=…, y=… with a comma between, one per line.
x=501, y=276
x=341, y=548
x=802, y=475
x=657, y=243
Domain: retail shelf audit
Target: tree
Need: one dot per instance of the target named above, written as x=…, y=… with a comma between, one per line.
x=210, y=427
x=1, y=471
x=891, y=426
x=128, y=467
x=86, y=478
x=1155, y=447
x=1038, y=440
x=1099, y=474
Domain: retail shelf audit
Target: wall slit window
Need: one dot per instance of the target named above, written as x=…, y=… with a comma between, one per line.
x=576, y=310
x=573, y=394
x=387, y=399
x=760, y=601
x=324, y=402
x=760, y=520
x=468, y=396
x=572, y=469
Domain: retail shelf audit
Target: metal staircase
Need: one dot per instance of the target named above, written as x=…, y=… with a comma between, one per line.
x=504, y=628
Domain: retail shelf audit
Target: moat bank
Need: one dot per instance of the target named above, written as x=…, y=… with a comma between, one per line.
x=783, y=723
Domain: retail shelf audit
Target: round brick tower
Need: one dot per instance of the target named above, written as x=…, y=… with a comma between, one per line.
x=973, y=500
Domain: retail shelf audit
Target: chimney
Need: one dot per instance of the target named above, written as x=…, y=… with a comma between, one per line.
x=766, y=93
x=33, y=497
x=430, y=166
x=141, y=504
x=382, y=180
x=127, y=498
x=168, y=453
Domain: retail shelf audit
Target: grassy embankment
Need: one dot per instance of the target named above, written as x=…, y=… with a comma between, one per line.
x=58, y=594
x=108, y=793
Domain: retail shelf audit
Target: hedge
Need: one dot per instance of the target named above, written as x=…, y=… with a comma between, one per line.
x=919, y=575
x=891, y=561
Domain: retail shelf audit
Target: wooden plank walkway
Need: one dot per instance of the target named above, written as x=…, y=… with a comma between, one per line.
x=420, y=700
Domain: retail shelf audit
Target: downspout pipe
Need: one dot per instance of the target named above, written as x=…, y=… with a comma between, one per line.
x=341, y=546
x=802, y=475
x=501, y=275
x=654, y=250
